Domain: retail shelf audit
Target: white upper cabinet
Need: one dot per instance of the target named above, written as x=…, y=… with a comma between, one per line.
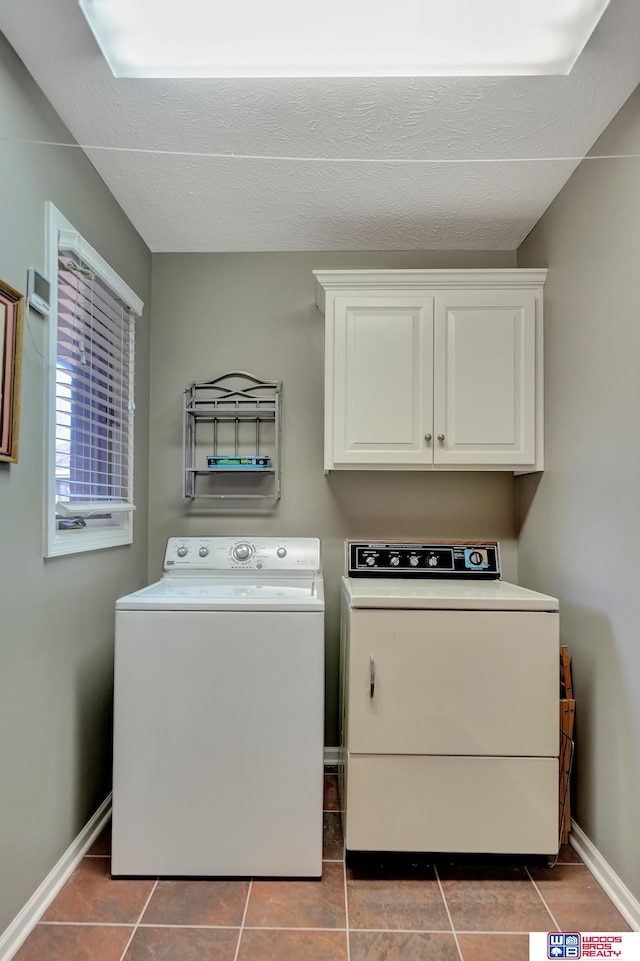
x=484, y=377
x=382, y=394
x=437, y=370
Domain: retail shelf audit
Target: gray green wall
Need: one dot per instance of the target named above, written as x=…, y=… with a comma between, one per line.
x=56, y=616
x=580, y=521
x=218, y=312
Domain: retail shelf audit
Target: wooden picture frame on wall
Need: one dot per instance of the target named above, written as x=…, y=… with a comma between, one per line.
x=11, y=328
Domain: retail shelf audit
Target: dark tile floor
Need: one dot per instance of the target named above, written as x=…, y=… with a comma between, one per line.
x=373, y=908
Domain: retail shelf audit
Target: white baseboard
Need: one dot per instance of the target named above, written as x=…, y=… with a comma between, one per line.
x=26, y=920
x=626, y=903
x=332, y=756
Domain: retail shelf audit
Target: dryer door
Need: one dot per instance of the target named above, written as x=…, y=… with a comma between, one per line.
x=453, y=682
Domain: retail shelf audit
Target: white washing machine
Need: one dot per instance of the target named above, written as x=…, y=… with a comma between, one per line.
x=449, y=703
x=219, y=711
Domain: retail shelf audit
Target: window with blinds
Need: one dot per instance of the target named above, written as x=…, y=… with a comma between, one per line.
x=91, y=416
x=94, y=393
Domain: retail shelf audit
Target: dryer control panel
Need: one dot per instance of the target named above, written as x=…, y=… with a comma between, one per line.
x=476, y=560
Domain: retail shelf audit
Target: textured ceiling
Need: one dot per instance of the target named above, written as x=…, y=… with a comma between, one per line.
x=328, y=164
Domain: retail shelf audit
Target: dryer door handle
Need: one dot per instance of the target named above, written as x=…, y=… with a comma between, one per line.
x=372, y=677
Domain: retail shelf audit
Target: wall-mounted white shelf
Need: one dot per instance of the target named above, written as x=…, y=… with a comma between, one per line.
x=236, y=415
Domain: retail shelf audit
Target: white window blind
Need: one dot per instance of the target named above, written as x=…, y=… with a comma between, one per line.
x=90, y=372
x=94, y=392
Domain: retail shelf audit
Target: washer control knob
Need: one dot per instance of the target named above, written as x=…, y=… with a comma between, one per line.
x=394, y=561
x=182, y=552
x=282, y=552
x=475, y=557
x=370, y=561
x=203, y=551
x=414, y=560
x=242, y=552
x=433, y=561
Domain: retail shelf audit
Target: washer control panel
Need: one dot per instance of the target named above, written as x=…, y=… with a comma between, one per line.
x=455, y=559
x=208, y=555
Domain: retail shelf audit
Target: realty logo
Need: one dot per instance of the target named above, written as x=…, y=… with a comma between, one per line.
x=563, y=945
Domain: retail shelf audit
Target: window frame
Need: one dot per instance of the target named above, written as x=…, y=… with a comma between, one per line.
x=97, y=534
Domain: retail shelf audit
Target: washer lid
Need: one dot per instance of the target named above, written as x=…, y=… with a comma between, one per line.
x=458, y=595
x=226, y=594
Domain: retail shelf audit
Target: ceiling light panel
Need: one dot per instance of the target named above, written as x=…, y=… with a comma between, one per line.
x=341, y=38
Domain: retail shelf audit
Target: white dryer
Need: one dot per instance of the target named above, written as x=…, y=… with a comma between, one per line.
x=219, y=711
x=450, y=715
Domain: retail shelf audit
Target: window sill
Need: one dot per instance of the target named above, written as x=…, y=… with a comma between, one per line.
x=85, y=539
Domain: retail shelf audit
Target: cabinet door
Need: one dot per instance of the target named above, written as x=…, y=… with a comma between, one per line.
x=484, y=377
x=382, y=389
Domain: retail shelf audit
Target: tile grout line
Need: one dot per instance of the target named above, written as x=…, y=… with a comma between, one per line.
x=432, y=931
x=540, y=895
x=265, y=927
x=137, y=925
x=86, y=924
x=446, y=907
x=244, y=918
x=507, y=934
x=293, y=927
x=346, y=900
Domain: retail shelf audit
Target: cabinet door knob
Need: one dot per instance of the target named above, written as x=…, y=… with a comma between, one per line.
x=427, y=437
x=440, y=436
